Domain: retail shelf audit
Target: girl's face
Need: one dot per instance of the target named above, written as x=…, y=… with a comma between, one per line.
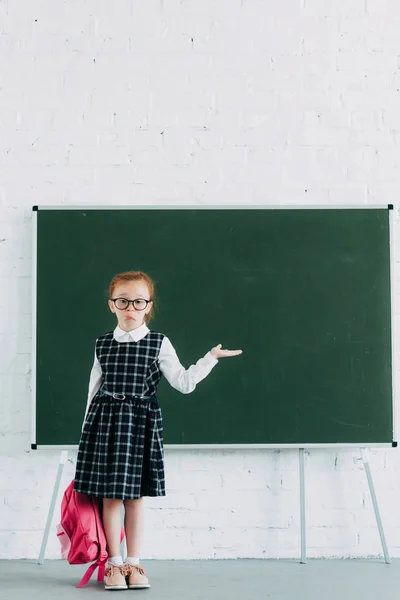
x=131, y=317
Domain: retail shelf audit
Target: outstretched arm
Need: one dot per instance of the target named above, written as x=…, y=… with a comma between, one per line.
x=185, y=380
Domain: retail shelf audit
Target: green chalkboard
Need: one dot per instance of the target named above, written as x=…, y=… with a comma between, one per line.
x=304, y=292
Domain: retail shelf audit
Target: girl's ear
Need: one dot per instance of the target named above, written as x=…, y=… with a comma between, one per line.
x=111, y=306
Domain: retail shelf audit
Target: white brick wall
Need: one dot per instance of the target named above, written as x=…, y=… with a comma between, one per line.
x=194, y=102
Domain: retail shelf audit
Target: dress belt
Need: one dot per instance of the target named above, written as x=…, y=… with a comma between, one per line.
x=123, y=396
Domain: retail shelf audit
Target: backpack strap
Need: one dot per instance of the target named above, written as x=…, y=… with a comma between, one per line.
x=101, y=564
x=102, y=570
x=102, y=559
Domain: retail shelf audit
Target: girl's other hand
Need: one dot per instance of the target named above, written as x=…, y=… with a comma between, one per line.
x=218, y=352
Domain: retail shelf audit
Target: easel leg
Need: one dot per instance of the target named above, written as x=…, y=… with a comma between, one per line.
x=302, y=508
x=63, y=460
x=365, y=458
x=123, y=543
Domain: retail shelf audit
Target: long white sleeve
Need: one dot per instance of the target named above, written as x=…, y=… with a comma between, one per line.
x=96, y=376
x=183, y=380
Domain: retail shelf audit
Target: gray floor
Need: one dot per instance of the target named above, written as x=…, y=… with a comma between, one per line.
x=370, y=579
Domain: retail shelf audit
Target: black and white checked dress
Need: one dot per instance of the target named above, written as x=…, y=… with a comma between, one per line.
x=121, y=451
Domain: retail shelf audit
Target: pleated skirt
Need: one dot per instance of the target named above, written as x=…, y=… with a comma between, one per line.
x=121, y=452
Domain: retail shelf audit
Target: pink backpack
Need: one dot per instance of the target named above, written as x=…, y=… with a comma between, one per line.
x=81, y=533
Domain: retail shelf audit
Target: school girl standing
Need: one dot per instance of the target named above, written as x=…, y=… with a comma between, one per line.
x=121, y=456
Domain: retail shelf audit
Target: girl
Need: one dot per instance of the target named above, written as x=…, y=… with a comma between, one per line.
x=120, y=456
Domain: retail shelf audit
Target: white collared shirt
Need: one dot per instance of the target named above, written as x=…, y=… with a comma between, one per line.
x=183, y=380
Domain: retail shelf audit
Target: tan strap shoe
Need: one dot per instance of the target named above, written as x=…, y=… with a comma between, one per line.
x=115, y=577
x=137, y=577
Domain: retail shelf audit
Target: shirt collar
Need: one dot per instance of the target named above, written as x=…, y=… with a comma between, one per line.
x=135, y=334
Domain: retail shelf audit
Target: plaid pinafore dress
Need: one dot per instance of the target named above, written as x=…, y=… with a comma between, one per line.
x=121, y=451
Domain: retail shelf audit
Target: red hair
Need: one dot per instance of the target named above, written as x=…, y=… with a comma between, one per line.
x=135, y=276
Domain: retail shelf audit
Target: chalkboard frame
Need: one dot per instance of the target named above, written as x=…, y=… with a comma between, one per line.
x=390, y=207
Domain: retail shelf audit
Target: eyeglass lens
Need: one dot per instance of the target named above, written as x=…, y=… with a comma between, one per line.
x=122, y=303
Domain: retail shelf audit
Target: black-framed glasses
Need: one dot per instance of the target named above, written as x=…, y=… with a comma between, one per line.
x=123, y=303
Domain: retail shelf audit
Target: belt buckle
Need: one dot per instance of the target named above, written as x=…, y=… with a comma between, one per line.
x=118, y=396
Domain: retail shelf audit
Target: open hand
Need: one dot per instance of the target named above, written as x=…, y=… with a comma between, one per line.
x=218, y=352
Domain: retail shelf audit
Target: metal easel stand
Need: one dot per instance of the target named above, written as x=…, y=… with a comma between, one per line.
x=365, y=459
x=63, y=460
x=303, y=558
